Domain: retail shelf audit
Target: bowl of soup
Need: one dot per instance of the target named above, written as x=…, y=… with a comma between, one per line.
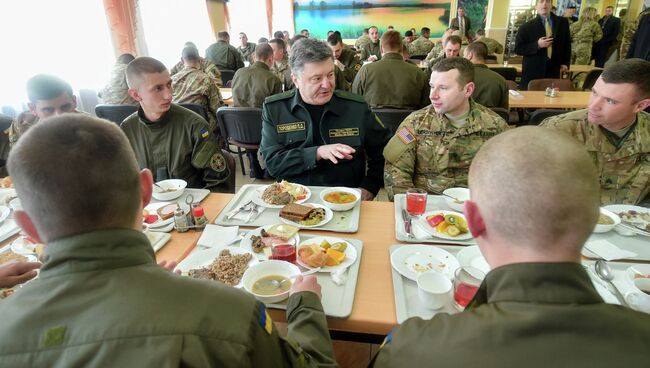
x=607, y=220
x=340, y=198
x=270, y=281
x=169, y=189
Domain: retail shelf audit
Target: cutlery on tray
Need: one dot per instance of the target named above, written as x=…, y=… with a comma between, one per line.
x=408, y=224
x=237, y=210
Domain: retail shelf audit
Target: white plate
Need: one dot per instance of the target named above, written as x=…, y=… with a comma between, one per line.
x=152, y=208
x=471, y=256
x=405, y=259
x=256, y=197
x=616, y=208
x=4, y=213
x=350, y=253
x=433, y=232
x=23, y=246
x=205, y=257
x=247, y=244
x=328, y=217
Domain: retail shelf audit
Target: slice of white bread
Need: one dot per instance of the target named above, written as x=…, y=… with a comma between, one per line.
x=282, y=231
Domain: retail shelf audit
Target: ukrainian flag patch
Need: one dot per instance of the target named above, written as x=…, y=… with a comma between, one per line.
x=204, y=133
x=265, y=320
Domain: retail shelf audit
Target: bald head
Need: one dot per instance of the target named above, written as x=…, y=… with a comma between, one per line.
x=74, y=174
x=536, y=188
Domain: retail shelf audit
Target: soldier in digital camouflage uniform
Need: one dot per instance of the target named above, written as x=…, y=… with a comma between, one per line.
x=422, y=45
x=616, y=131
x=191, y=85
x=116, y=91
x=629, y=31
x=206, y=66
x=584, y=33
x=362, y=41
x=281, y=66
x=434, y=147
x=48, y=96
x=493, y=46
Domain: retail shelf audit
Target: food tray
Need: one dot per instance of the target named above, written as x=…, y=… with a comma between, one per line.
x=337, y=300
x=343, y=222
x=199, y=195
x=407, y=303
x=8, y=228
x=638, y=244
x=434, y=202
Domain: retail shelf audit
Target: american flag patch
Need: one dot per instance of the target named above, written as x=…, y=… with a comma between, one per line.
x=204, y=133
x=405, y=135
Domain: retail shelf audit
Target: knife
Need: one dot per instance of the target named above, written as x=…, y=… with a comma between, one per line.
x=408, y=226
x=232, y=213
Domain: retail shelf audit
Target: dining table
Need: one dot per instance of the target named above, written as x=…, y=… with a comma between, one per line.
x=539, y=100
x=226, y=94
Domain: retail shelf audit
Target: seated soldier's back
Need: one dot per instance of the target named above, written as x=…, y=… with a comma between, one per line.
x=251, y=85
x=490, y=89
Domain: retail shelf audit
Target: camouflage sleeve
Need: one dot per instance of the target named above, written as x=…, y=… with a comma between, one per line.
x=628, y=35
x=400, y=154
x=598, y=33
x=498, y=48
x=214, y=72
x=214, y=96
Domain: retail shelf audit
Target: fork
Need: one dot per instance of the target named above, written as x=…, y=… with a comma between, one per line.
x=254, y=212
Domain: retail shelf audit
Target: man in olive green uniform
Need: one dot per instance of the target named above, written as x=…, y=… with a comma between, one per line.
x=371, y=51
x=493, y=46
x=537, y=307
x=584, y=33
x=48, y=96
x=363, y=40
x=344, y=58
x=422, y=45
x=318, y=136
x=616, y=131
x=191, y=85
x=171, y=141
x=116, y=91
x=281, y=63
x=205, y=66
x=101, y=300
x=251, y=85
x=246, y=49
x=391, y=82
x=223, y=54
x=490, y=88
x=434, y=147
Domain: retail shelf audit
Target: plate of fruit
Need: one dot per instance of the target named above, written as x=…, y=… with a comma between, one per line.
x=327, y=253
x=446, y=225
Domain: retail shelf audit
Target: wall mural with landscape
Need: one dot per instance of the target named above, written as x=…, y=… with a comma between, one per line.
x=351, y=17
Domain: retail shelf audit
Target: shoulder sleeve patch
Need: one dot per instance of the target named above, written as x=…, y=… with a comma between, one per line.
x=265, y=320
x=388, y=338
x=279, y=96
x=405, y=135
x=349, y=96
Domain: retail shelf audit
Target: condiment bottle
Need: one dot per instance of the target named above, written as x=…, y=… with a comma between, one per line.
x=199, y=217
x=180, y=221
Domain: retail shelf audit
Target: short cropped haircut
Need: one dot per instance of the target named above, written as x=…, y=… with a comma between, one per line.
x=279, y=42
x=295, y=39
x=278, y=34
x=334, y=39
x=308, y=50
x=456, y=40
x=408, y=34
x=191, y=54
x=479, y=49
x=425, y=30
x=263, y=52
x=373, y=27
x=125, y=59
x=465, y=68
x=304, y=30
x=75, y=173
x=142, y=65
x=633, y=71
x=391, y=41
x=263, y=40
x=223, y=35
x=46, y=87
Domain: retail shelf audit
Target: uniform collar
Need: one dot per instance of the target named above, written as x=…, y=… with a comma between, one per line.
x=480, y=66
x=97, y=250
x=297, y=101
x=473, y=121
x=392, y=56
x=552, y=283
x=259, y=64
x=158, y=123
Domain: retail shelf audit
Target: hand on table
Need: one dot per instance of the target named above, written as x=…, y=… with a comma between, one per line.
x=366, y=195
x=334, y=152
x=14, y=273
x=372, y=58
x=307, y=283
x=544, y=42
x=339, y=64
x=169, y=266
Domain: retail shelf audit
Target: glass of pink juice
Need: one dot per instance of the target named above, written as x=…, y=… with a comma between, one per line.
x=284, y=252
x=466, y=283
x=416, y=201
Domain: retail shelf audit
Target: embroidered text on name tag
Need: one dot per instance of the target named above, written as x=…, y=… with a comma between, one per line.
x=290, y=127
x=345, y=132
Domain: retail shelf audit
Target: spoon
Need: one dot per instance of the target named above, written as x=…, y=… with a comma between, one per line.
x=159, y=187
x=271, y=285
x=605, y=273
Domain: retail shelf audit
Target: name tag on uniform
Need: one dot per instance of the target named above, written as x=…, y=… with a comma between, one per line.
x=344, y=132
x=290, y=127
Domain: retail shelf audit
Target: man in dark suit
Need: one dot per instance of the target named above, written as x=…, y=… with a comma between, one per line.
x=611, y=26
x=545, y=44
x=462, y=23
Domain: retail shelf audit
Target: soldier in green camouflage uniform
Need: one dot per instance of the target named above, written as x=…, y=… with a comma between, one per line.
x=422, y=45
x=618, y=142
x=362, y=41
x=191, y=85
x=116, y=92
x=584, y=33
x=629, y=30
x=206, y=66
x=371, y=50
x=493, y=46
x=434, y=147
x=281, y=66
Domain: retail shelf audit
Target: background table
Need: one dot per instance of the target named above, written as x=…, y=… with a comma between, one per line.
x=537, y=99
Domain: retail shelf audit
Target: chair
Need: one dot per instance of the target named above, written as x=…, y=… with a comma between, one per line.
x=232, y=166
x=591, y=79
x=88, y=100
x=418, y=57
x=392, y=118
x=491, y=59
x=505, y=114
x=512, y=85
x=542, y=84
x=241, y=127
x=226, y=76
x=539, y=115
x=199, y=109
x=508, y=73
x=115, y=113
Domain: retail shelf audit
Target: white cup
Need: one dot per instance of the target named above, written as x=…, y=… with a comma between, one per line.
x=434, y=289
x=637, y=298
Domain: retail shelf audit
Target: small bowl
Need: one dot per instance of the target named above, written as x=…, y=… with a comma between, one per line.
x=605, y=228
x=434, y=289
x=462, y=194
x=340, y=206
x=268, y=268
x=15, y=204
x=177, y=184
